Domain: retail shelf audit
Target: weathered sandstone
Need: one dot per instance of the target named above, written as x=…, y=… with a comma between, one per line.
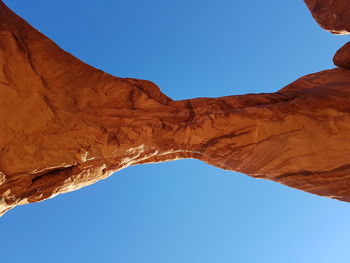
x=342, y=57
x=65, y=125
x=332, y=15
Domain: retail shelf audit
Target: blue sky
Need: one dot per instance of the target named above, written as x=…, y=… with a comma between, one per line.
x=184, y=211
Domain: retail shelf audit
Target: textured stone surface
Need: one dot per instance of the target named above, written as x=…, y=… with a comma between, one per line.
x=342, y=57
x=66, y=125
x=332, y=15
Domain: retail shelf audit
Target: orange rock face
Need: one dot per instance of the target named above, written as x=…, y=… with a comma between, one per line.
x=332, y=15
x=66, y=125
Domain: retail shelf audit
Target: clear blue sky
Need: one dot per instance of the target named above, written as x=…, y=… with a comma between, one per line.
x=184, y=211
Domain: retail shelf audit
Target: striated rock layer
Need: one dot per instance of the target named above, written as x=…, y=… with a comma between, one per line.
x=65, y=125
x=332, y=15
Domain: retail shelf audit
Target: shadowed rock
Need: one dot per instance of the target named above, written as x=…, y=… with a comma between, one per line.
x=342, y=57
x=66, y=125
x=332, y=15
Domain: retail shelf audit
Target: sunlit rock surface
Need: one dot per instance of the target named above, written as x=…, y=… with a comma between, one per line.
x=332, y=15
x=65, y=125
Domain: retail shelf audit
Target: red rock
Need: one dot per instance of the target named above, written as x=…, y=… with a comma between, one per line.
x=332, y=15
x=342, y=57
x=66, y=125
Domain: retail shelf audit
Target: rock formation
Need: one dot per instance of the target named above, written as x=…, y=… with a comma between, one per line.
x=332, y=15
x=342, y=57
x=66, y=125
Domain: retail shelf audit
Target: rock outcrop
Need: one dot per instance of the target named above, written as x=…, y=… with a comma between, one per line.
x=65, y=125
x=342, y=57
x=332, y=15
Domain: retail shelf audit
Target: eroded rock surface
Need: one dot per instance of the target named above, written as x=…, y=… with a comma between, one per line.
x=332, y=15
x=66, y=125
x=342, y=57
